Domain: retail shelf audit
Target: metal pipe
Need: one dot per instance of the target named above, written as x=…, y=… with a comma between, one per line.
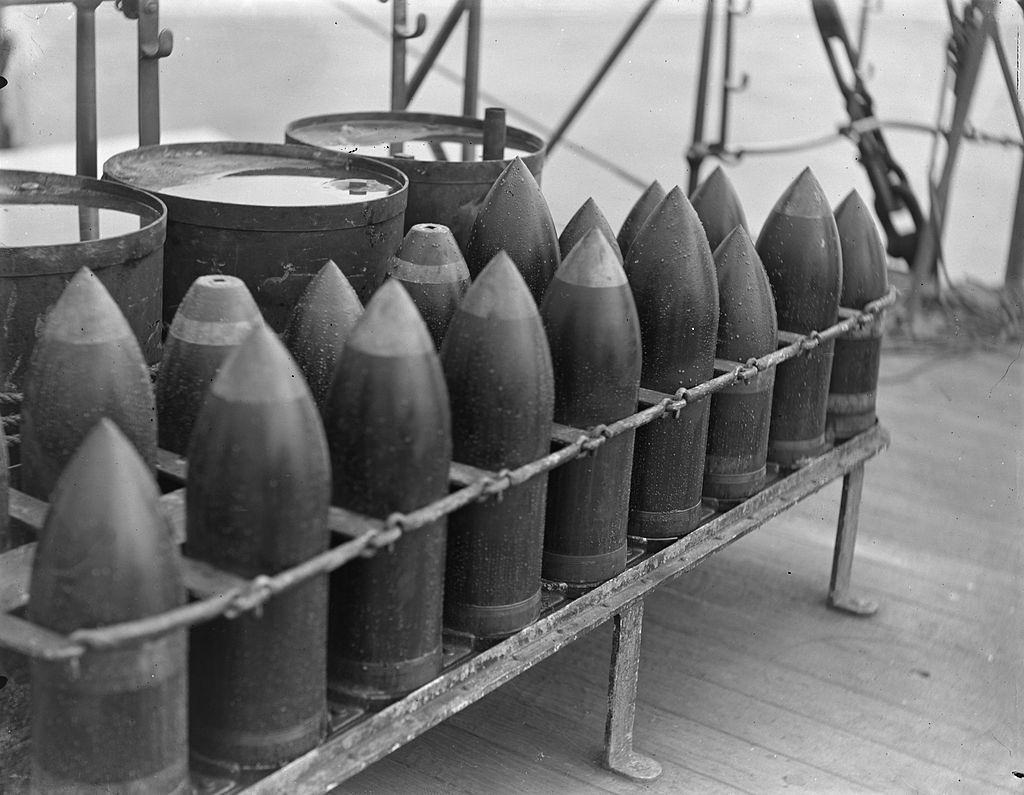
x=609, y=60
x=85, y=88
x=472, y=77
x=399, y=99
x=1014, y=279
x=695, y=156
x=443, y=34
x=149, y=72
x=726, y=73
x=495, y=131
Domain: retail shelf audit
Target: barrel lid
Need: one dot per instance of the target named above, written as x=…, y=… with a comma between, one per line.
x=431, y=143
x=56, y=223
x=265, y=187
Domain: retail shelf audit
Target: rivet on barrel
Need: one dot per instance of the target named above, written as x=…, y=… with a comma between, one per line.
x=389, y=432
x=644, y=206
x=594, y=334
x=115, y=720
x=498, y=368
x=320, y=323
x=258, y=493
x=799, y=246
x=431, y=268
x=587, y=217
x=718, y=207
x=741, y=414
x=672, y=275
x=215, y=315
x=86, y=364
x=854, y=383
x=515, y=218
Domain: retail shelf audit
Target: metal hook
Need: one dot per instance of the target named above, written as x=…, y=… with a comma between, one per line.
x=737, y=87
x=403, y=32
x=161, y=48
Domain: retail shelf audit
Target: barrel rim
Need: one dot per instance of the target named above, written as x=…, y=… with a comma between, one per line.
x=265, y=218
x=105, y=252
x=534, y=145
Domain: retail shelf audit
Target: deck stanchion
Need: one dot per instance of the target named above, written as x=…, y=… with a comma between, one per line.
x=318, y=326
x=853, y=387
x=799, y=247
x=619, y=755
x=389, y=432
x=431, y=268
x=593, y=330
x=587, y=217
x=86, y=364
x=213, y=318
x=672, y=275
x=839, y=597
x=515, y=218
x=257, y=498
x=638, y=213
x=718, y=207
x=498, y=368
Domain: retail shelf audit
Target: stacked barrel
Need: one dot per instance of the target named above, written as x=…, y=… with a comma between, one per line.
x=462, y=367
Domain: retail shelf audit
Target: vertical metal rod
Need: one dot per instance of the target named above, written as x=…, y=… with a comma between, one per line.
x=399, y=99
x=1014, y=280
x=602, y=70
x=85, y=89
x=472, y=78
x=839, y=597
x=430, y=56
x=726, y=72
x=622, y=685
x=149, y=72
x=495, y=131
x=695, y=156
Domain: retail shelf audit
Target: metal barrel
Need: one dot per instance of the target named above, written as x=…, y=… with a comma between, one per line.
x=672, y=275
x=594, y=333
x=428, y=149
x=514, y=218
x=587, y=217
x=112, y=720
x=644, y=206
x=741, y=414
x=389, y=433
x=51, y=226
x=216, y=314
x=718, y=207
x=86, y=364
x=431, y=268
x=258, y=492
x=854, y=384
x=320, y=323
x=498, y=369
x=270, y=214
x=799, y=247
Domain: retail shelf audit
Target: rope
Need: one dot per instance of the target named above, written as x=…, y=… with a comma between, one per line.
x=386, y=532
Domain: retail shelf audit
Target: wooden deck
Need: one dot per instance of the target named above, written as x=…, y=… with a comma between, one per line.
x=749, y=683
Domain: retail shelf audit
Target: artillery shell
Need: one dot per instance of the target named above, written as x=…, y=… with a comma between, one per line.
x=644, y=206
x=514, y=218
x=741, y=414
x=258, y=493
x=498, y=369
x=213, y=318
x=431, y=268
x=594, y=334
x=854, y=383
x=718, y=207
x=799, y=246
x=319, y=325
x=672, y=275
x=389, y=433
x=115, y=720
x=587, y=217
x=86, y=364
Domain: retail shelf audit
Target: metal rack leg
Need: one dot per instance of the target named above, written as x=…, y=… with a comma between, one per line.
x=618, y=734
x=839, y=597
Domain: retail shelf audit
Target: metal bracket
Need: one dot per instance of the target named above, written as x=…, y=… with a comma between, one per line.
x=403, y=31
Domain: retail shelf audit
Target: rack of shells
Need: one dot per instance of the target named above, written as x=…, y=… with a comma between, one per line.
x=272, y=559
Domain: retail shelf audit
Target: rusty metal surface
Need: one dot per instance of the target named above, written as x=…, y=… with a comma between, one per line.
x=672, y=276
x=498, y=370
